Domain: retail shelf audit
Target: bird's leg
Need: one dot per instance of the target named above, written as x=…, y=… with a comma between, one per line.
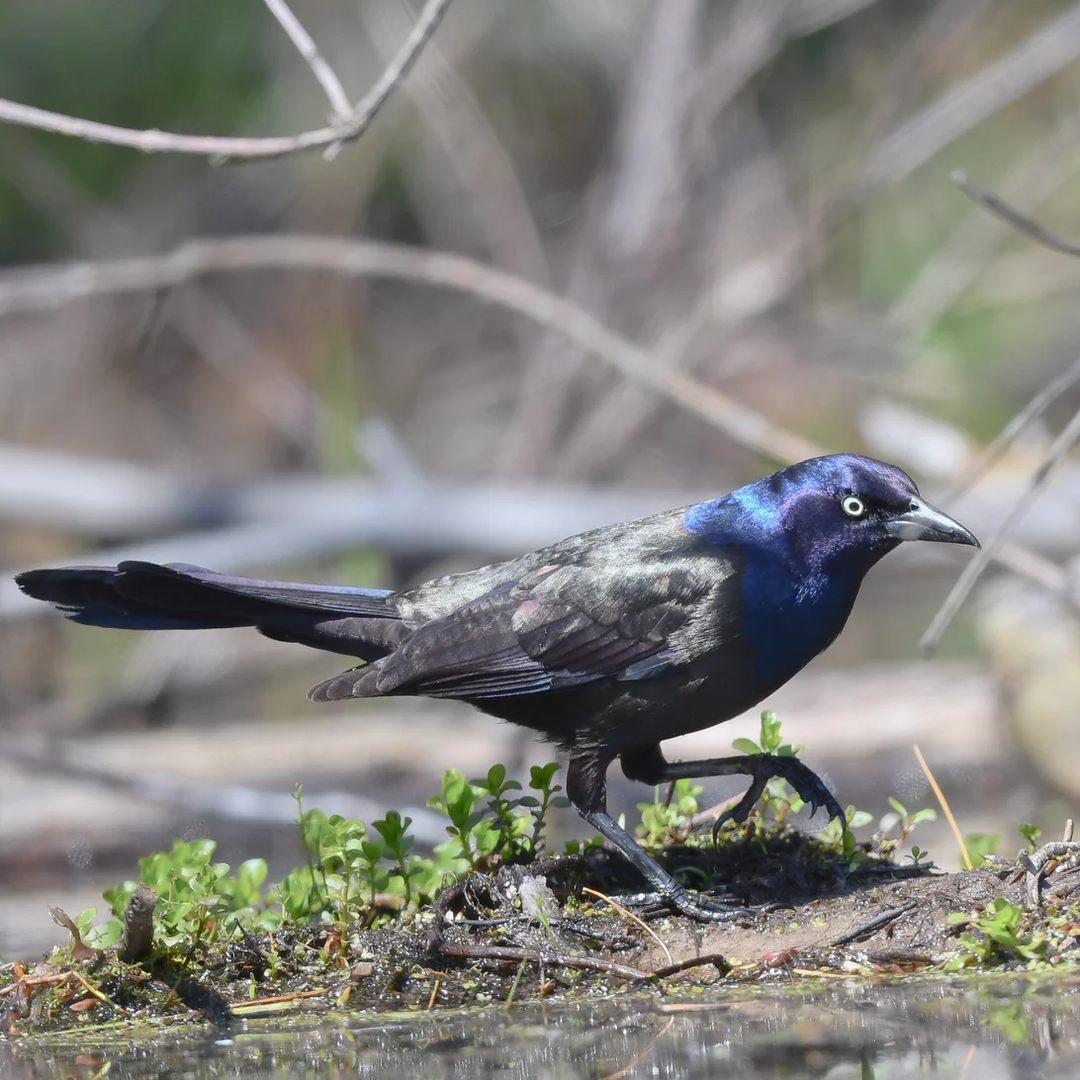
x=587, y=788
x=649, y=765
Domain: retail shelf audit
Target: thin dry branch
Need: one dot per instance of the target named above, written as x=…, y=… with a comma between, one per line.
x=1052, y=47
x=43, y=290
x=989, y=456
x=248, y=149
x=340, y=105
x=1009, y=214
x=949, y=275
x=1024, y=224
x=202, y=318
x=964, y=584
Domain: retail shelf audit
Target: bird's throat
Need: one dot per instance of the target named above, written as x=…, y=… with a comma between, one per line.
x=788, y=620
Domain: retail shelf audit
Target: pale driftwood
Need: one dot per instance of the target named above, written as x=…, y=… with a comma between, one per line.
x=100, y=497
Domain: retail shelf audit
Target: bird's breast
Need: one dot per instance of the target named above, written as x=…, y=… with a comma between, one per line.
x=789, y=619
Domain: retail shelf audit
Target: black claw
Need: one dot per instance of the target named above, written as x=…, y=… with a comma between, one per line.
x=702, y=908
x=804, y=781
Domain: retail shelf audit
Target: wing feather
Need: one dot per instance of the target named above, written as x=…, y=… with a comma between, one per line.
x=566, y=626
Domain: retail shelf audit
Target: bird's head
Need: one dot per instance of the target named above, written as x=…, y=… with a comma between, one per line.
x=851, y=509
x=837, y=514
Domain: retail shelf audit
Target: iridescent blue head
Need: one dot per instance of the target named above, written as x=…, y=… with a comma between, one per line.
x=803, y=539
x=836, y=514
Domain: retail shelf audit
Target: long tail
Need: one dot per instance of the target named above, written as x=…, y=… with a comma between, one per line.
x=145, y=596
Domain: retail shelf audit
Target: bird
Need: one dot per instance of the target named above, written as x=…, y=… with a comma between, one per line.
x=606, y=643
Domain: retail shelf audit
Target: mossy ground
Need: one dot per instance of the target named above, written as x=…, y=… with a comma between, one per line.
x=827, y=915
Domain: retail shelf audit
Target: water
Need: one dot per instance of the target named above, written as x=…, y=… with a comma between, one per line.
x=976, y=1029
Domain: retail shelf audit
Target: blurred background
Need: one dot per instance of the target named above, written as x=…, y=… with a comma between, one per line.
x=755, y=193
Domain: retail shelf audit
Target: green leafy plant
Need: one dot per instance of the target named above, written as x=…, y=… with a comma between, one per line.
x=667, y=818
x=351, y=870
x=981, y=846
x=1000, y=933
x=905, y=822
x=834, y=835
x=1030, y=833
x=201, y=901
x=505, y=827
x=778, y=798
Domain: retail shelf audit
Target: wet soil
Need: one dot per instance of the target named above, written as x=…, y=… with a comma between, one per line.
x=536, y=933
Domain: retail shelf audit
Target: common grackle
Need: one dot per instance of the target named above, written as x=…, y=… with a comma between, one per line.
x=606, y=643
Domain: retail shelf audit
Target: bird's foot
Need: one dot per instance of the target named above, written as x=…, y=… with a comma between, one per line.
x=651, y=905
x=806, y=783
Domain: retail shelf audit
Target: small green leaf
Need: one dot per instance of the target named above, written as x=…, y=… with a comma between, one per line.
x=770, y=731
x=746, y=746
x=980, y=845
x=1030, y=833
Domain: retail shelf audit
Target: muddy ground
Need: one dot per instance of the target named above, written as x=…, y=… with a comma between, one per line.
x=808, y=915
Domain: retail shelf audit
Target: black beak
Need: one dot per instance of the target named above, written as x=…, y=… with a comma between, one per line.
x=925, y=522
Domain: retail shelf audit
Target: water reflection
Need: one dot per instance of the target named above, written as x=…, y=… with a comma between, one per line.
x=1001, y=1028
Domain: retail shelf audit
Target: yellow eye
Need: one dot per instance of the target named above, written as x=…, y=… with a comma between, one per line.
x=853, y=506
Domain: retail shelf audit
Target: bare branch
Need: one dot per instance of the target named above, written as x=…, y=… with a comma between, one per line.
x=948, y=276
x=1052, y=47
x=1009, y=214
x=1039, y=479
x=249, y=149
x=340, y=105
x=42, y=290
x=203, y=319
x=982, y=464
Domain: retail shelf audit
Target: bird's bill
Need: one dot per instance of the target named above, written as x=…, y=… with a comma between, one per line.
x=925, y=522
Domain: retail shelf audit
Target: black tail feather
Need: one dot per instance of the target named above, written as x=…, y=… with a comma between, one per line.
x=148, y=596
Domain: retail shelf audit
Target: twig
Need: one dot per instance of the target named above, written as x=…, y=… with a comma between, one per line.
x=946, y=809
x=37, y=980
x=42, y=290
x=1039, y=479
x=945, y=279
x=278, y=998
x=718, y=960
x=967, y=1062
x=100, y=995
x=509, y=1003
x=248, y=149
x=486, y=172
x=584, y=963
x=33, y=289
x=306, y=47
x=1021, y=222
x=986, y=459
x=1055, y=45
x=626, y=913
x=869, y=927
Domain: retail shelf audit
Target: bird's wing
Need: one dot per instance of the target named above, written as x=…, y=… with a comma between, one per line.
x=557, y=627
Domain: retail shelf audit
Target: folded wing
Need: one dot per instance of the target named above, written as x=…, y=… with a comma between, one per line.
x=559, y=627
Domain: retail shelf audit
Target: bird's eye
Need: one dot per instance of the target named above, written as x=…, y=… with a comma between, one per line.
x=853, y=506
